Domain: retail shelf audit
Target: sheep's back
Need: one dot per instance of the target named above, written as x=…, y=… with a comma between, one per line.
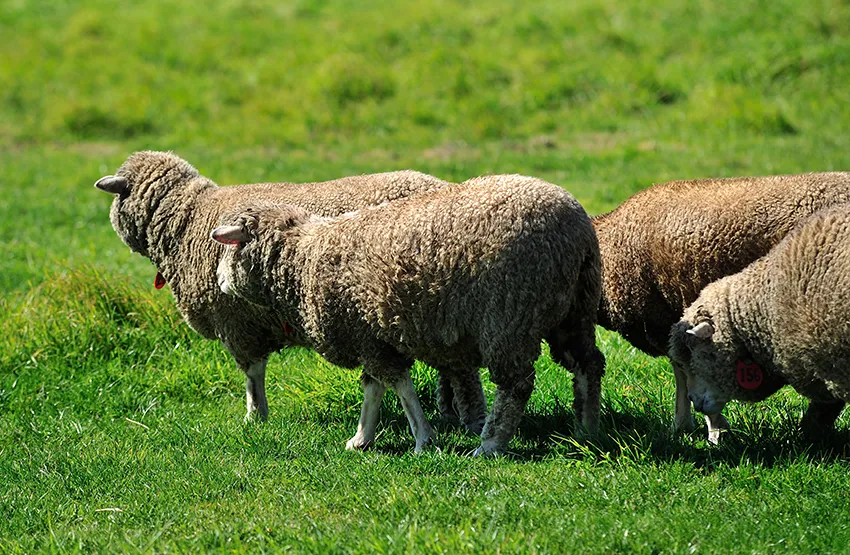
x=663, y=245
x=332, y=198
x=810, y=270
x=192, y=270
x=489, y=262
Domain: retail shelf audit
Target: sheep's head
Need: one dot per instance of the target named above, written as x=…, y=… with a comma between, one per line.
x=139, y=186
x=253, y=237
x=718, y=367
x=704, y=363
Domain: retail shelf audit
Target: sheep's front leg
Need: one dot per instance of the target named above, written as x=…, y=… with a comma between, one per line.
x=419, y=426
x=575, y=348
x=717, y=425
x=373, y=393
x=684, y=421
x=508, y=407
x=255, y=390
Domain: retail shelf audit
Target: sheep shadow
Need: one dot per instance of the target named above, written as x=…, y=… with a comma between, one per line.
x=632, y=438
x=639, y=437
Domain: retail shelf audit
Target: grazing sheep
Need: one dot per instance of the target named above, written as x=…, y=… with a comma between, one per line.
x=785, y=319
x=664, y=244
x=471, y=275
x=163, y=210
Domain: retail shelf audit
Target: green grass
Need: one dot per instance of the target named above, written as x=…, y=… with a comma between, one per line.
x=121, y=430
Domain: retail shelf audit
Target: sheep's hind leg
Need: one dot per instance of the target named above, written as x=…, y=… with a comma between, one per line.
x=460, y=397
x=576, y=350
x=373, y=393
x=419, y=426
x=512, y=394
x=255, y=390
x=446, y=400
x=469, y=399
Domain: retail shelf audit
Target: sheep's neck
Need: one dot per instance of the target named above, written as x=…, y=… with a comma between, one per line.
x=750, y=313
x=173, y=219
x=284, y=267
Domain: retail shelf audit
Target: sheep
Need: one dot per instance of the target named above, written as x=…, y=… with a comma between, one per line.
x=784, y=319
x=163, y=209
x=664, y=244
x=470, y=275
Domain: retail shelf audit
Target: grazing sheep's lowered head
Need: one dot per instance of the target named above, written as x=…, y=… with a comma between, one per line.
x=140, y=185
x=717, y=364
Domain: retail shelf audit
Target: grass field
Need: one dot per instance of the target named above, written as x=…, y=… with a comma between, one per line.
x=121, y=430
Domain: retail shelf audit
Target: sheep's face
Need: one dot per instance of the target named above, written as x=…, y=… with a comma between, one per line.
x=235, y=274
x=139, y=186
x=251, y=237
x=239, y=271
x=710, y=372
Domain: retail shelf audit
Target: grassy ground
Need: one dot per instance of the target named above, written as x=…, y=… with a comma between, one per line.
x=121, y=430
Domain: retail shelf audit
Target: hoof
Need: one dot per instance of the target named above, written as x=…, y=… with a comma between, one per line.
x=358, y=443
x=714, y=436
x=476, y=428
x=428, y=445
x=487, y=451
x=253, y=416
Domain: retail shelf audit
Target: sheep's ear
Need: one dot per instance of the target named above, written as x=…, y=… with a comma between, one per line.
x=230, y=235
x=112, y=184
x=703, y=330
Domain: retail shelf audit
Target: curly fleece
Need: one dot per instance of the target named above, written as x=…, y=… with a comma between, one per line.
x=664, y=244
x=789, y=312
x=168, y=212
x=473, y=274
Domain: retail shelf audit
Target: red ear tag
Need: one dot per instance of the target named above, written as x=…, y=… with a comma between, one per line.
x=159, y=281
x=749, y=376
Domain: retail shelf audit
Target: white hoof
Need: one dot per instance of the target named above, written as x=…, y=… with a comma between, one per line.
x=358, y=443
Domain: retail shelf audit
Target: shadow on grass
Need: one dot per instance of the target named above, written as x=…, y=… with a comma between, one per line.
x=630, y=438
x=627, y=435
x=634, y=437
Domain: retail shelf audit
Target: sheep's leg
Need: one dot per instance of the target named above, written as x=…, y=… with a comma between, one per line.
x=373, y=393
x=587, y=390
x=684, y=421
x=255, y=390
x=575, y=349
x=469, y=399
x=446, y=399
x=512, y=394
x=422, y=432
x=819, y=418
x=461, y=397
x=717, y=425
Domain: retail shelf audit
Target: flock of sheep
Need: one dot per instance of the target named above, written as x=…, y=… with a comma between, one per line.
x=744, y=282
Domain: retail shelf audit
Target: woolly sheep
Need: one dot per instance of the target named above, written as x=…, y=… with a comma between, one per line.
x=163, y=210
x=664, y=244
x=471, y=275
x=783, y=320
